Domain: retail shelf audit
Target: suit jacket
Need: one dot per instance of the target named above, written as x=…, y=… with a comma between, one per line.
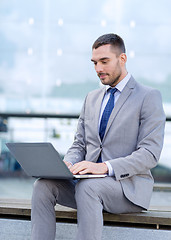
x=132, y=142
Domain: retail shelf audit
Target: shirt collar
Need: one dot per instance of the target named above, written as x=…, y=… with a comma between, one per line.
x=120, y=86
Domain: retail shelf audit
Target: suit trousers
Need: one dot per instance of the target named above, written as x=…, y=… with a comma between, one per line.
x=89, y=196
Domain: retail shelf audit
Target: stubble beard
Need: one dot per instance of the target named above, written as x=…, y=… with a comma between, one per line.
x=115, y=80
x=112, y=80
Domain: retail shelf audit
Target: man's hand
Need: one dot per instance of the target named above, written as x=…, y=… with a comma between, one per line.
x=84, y=167
x=69, y=165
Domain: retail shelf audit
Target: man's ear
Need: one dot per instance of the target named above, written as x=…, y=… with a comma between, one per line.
x=123, y=58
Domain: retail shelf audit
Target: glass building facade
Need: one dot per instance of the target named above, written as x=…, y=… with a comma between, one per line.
x=45, y=49
x=45, y=67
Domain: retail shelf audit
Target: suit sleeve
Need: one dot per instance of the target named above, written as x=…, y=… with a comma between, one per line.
x=149, y=140
x=77, y=151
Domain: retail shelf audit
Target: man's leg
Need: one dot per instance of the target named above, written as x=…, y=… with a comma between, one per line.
x=94, y=195
x=46, y=194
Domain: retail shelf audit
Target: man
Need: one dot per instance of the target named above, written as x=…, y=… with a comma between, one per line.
x=120, y=132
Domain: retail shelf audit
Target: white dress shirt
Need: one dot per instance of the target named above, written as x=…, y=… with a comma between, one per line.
x=120, y=86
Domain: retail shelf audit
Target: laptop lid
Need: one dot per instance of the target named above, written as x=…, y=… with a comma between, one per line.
x=42, y=160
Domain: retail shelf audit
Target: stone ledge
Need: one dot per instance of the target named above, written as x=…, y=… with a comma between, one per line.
x=157, y=216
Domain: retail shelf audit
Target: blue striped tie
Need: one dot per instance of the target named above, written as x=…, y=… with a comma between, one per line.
x=106, y=114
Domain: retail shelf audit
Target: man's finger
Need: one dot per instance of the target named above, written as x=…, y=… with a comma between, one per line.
x=85, y=171
x=78, y=167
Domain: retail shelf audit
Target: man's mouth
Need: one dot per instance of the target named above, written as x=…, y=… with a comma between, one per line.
x=102, y=75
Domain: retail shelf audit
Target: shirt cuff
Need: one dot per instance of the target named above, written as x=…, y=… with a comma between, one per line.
x=111, y=172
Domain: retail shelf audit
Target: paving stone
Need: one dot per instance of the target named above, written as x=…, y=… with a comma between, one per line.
x=20, y=230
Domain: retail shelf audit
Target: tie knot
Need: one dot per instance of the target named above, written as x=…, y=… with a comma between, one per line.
x=112, y=90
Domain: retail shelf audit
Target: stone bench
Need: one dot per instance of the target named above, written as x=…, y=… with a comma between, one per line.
x=158, y=218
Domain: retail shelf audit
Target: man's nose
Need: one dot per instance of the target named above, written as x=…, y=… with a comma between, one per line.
x=99, y=68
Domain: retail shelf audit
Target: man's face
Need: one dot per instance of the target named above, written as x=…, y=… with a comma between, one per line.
x=108, y=64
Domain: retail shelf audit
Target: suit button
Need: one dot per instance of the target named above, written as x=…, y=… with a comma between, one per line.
x=124, y=175
x=100, y=145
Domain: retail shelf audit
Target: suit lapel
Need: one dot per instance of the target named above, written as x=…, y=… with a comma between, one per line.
x=97, y=108
x=122, y=99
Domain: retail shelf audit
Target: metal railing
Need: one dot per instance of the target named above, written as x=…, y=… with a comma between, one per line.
x=45, y=115
x=39, y=115
x=45, y=130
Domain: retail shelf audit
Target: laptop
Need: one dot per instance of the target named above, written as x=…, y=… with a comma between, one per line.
x=41, y=160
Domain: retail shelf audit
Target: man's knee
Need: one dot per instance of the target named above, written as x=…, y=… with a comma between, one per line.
x=85, y=188
x=42, y=190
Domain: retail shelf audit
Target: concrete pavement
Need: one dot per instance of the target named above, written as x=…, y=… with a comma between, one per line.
x=20, y=230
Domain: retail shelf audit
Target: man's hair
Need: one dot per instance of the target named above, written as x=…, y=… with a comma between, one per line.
x=113, y=39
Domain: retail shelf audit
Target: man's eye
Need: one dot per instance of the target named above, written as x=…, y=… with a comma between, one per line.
x=104, y=62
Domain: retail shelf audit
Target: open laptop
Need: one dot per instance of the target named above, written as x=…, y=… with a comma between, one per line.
x=41, y=160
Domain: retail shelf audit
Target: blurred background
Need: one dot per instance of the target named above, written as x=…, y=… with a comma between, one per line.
x=46, y=72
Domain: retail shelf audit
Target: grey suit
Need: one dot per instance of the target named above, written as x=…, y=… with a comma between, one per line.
x=132, y=144
x=133, y=139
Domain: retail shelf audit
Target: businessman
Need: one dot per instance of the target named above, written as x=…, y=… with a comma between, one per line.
x=120, y=132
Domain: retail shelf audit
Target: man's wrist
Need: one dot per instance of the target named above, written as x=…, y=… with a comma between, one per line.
x=105, y=167
x=111, y=172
